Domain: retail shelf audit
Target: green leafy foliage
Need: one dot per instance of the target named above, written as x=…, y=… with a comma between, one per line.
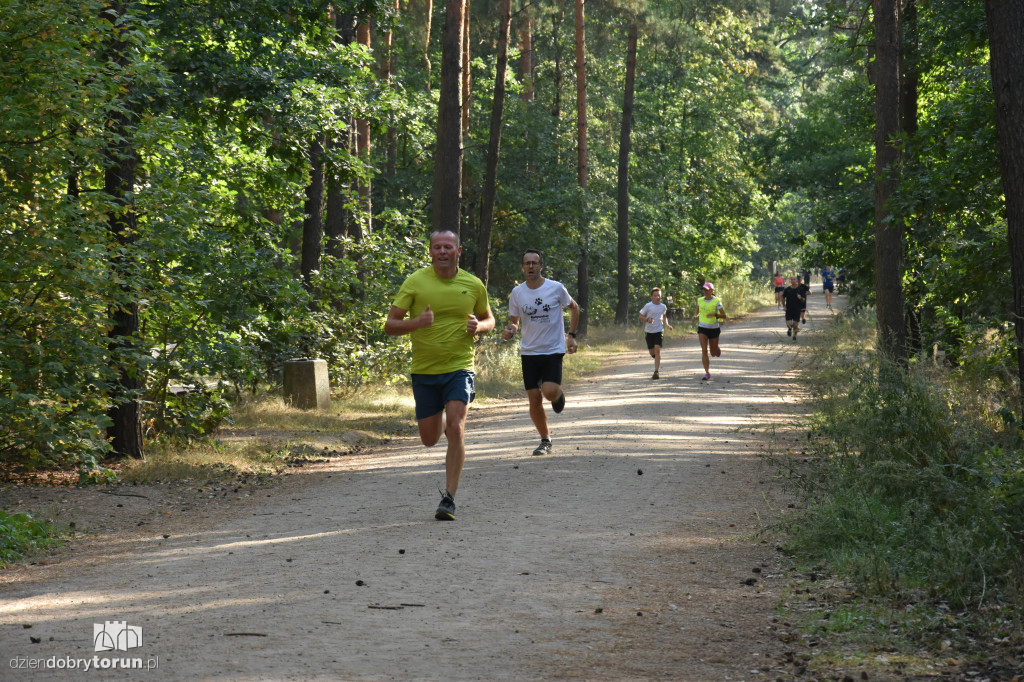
x=918, y=484
x=752, y=143
x=21, y=536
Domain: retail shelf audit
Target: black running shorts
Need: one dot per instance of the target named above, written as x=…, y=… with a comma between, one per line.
x=538, y=369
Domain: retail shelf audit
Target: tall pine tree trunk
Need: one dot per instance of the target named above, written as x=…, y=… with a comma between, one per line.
x=387, y=69
x=909, y=78
x=447, y=198
x=466, y=72
x=526, y=55
x=338, y=217
x=622, y=306
x=583, y=270
x=888, y=159
x=429, y=7
x=468, y=194
x=313, y=221
x=490, y=190
x=1006, y=45
x=559, y=18
x=120, y=158
x=365, y=218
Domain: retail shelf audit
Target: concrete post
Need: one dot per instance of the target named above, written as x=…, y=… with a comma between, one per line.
x=306, y=385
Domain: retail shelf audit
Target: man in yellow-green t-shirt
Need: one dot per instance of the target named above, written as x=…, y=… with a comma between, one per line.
x=446, y=308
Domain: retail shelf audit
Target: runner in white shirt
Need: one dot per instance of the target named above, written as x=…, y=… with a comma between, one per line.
x=655, y=317
x=537, y=304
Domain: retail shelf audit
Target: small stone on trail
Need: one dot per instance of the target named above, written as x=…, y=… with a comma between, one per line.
x=327, y=591
x=750, y=581
x=639, y=472
x=401, y=551
x=360, y=583
x=756, y=569
x=598, y=610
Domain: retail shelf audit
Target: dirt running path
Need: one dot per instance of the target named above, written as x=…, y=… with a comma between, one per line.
x=631, y=552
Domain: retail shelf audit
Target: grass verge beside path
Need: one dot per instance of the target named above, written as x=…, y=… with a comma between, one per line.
x=910, y=542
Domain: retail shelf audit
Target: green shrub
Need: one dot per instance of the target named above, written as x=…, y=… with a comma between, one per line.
x=21, y=536
x=917, y=483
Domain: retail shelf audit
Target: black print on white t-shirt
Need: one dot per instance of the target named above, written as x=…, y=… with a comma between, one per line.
x=540, y=312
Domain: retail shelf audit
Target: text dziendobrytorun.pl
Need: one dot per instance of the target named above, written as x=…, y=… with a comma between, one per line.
x=85, y=664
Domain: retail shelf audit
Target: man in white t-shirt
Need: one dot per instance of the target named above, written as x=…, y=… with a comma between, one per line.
x=655, y=318
x=537, y=305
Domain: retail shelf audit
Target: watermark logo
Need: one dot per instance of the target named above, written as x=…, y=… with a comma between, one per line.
x=113, y=635
x=116, y=635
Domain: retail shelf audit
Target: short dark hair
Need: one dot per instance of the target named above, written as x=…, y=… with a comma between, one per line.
x=539, y=255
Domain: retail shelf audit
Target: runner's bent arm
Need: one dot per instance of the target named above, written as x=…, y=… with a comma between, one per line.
x=480, y=324
x=513, y=326
x=397, y=325
x=574, y=324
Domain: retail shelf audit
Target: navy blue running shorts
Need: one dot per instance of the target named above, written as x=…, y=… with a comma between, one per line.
x=433, y=391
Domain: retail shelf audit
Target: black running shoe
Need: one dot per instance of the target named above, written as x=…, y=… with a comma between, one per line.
x=446, y=510
x=558, y=404
x=789, y=331
x=543, y=449
x=655, y=375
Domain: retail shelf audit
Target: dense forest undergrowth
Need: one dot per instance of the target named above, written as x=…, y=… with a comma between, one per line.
x=911, y=528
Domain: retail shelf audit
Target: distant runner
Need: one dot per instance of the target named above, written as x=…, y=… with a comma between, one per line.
x=709, y=318
x=828, y=280
x=805, y=290
x=794, y=306
x=779, y=283
x=655, y=318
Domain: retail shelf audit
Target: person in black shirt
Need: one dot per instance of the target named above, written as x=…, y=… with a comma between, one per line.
x=805, y=288
x=793, y=301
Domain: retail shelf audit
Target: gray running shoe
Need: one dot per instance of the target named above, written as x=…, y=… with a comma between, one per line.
x=446, y=510
x=543, y=449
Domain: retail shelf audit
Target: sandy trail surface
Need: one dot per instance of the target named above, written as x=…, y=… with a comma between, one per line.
x=634, y=551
